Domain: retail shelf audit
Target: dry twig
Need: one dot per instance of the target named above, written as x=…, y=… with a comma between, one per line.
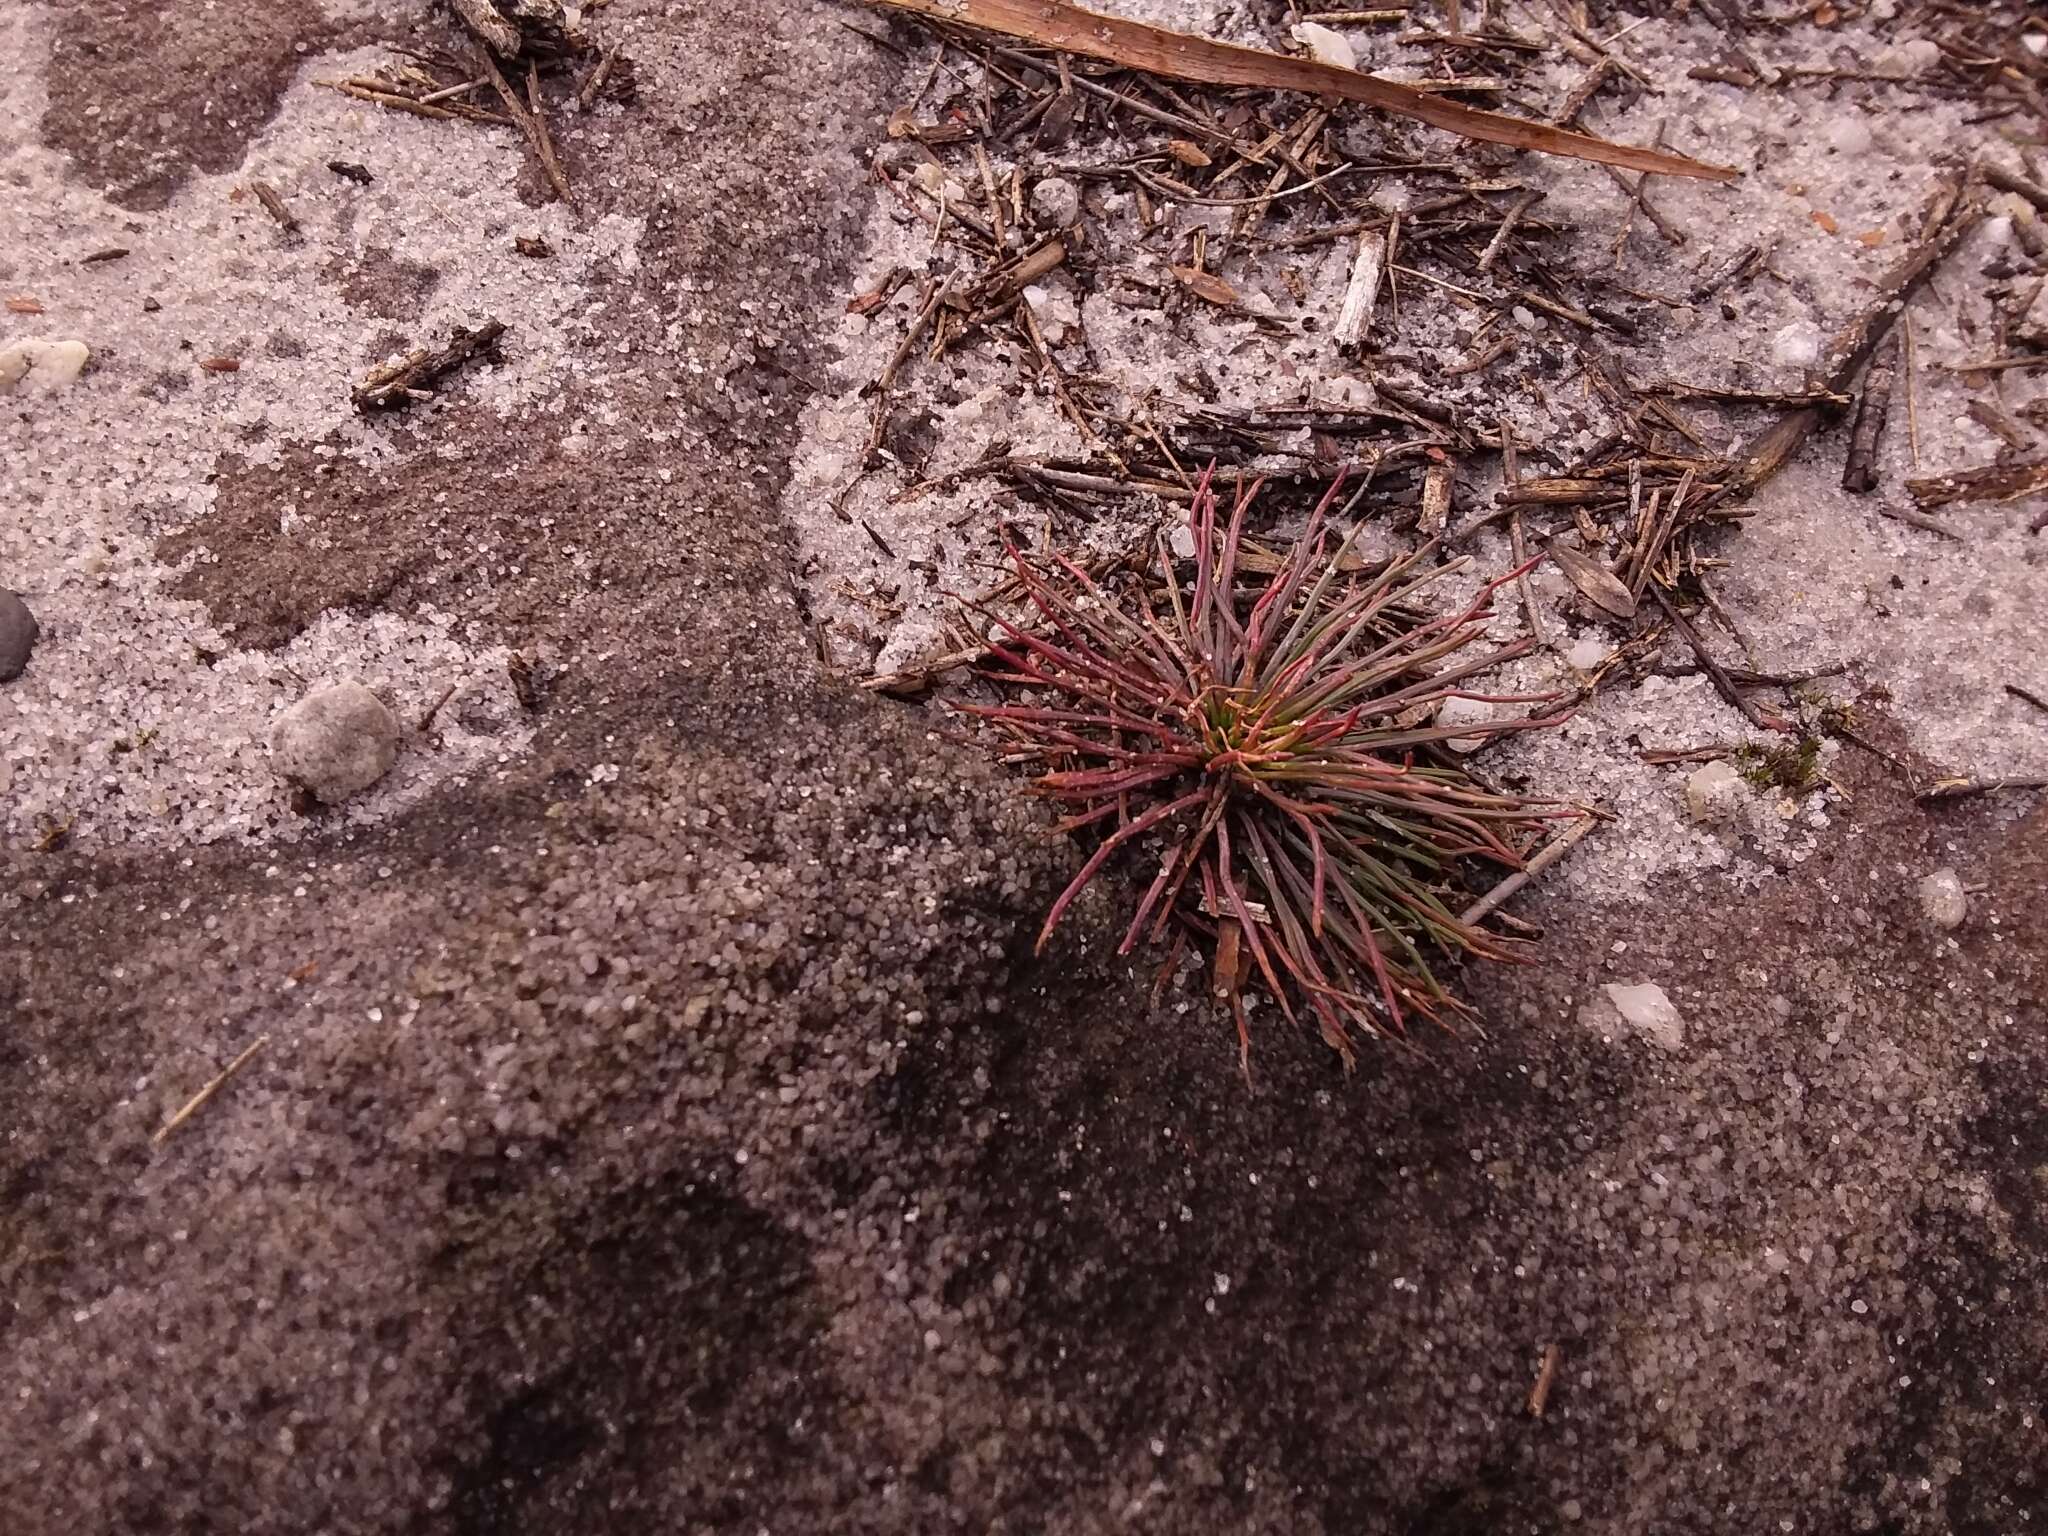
x=1539, y=1395
x=1556, y=849
x=198, y=1100
x=536, y=133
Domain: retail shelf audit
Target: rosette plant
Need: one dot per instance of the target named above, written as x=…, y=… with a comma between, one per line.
x=1267, y=731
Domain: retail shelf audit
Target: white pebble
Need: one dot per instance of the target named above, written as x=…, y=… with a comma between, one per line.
x=1586, y=654
x=1646, y=1010
x=1850, y=135
x=335, y=741
x=1712, y=792
x=1920, y=55
x=938, y=184
x=1057, y=314
x=1056, y=201
x=1797, y=345
x=1942, y=900
x=45, y=364
x=1459, y=711
x=1325, y=46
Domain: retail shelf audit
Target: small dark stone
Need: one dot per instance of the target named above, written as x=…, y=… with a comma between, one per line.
x=622, y=84
x=150, y=306
x=17, y=635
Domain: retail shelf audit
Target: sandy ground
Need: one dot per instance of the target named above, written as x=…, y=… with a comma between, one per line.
x=662, y=1124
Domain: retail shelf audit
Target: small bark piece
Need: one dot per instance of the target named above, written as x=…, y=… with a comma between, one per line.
x=482, y=18
x=1993, y=418
x=1860, y=473
x=1539, y=1395
x=516, y=28
x=1207, y=285
x=1436, y=500
x=2007, y=181
x=1033, y=265
x=1990, y=482
x=1362, y=293
x=273, y=205
x=401, y=383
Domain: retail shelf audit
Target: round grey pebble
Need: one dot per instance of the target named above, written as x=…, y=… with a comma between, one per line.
x=17, y=635
x=335, y=741
x=1057, y=202
x=1943, y=899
